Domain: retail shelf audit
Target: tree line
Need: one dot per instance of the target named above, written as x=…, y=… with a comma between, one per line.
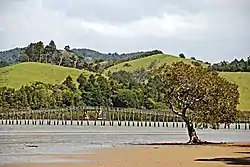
x=233, y=66
x=120, y=89
x=37, y=52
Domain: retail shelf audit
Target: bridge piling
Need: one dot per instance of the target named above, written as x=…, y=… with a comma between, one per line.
x=125, y=118
x=158, y=120
x=133, y=118
x=150, y=119
x=82, y=117
x=154, y=119
x=163, y=119
x=141, y=119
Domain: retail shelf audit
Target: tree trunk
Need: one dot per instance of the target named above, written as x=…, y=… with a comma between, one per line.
x=193, y=138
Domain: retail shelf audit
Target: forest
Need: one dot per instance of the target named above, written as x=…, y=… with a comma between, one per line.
x=120, y=90
x=234, y=66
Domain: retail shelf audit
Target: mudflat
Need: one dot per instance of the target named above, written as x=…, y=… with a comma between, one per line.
x=233, y=155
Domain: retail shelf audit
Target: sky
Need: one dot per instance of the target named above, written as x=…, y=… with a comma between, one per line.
x=210, y=30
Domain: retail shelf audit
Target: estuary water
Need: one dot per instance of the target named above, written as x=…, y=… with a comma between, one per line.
x=21, y=143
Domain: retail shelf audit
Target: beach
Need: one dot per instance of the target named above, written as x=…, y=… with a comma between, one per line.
x=73, y=146
x=149, y=156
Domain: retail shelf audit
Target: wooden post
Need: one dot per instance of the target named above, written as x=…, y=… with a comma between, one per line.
x=9, y=117
x=129, y=117
x=71, y=117
x=35, y=116
x=16, y=116
x=177, y=121
x=239, y=124
x=13, y=117
x=173, y=117
x=49, y=117
x=66, y=115
x=63, y=119
x=133, y=118
x=125, y=118
x=87, y=118
x=77, y=117
x=25, y=118
x=82, y=116
x=245, y=123
x=29, y=117
x=163, y=119
x=6, y=118
x=95, y=116
x=138, y=119
x=141, y=118
x=113, y=117
x=104, y=111
x=110, y=117
x=167, y=121
x=150, y=119
x=121, y=113
x=58, y=117
x=158, y=118
x=155, y=119
x=146, y=119
x=43, y=113
x=118, y=117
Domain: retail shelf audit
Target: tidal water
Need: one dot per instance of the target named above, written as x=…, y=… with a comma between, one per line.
x=21, y=143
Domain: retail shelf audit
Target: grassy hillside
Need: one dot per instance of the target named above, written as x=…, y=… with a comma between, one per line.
x=243, y=80
x=24, y=73
x=144, y=62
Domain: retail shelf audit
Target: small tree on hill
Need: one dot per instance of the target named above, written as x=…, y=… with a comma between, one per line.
x=198, y=95
x=181, y=55
x=69, y=83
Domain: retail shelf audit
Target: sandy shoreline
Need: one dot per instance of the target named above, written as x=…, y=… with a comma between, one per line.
x=232, y=154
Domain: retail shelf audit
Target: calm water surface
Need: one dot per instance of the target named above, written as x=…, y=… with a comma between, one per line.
x=16, y=139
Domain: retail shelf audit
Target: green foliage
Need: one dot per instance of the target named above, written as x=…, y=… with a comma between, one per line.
x=3, y=64
x=242, y=79
x=10, y=56
x=234, y=66
x=198, y=94
x=196, y=63
x=181, y=55
x=69, y=83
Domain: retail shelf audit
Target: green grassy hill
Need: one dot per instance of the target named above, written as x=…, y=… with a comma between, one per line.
x=20, y=74
x=144, y=62
x=241, y=79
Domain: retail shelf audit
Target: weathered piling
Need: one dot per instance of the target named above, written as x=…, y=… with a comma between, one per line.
x=141, y=118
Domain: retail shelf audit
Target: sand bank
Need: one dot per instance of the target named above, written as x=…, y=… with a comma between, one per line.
x=234, y=155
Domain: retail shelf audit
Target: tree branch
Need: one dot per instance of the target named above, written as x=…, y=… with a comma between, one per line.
x=172, y=109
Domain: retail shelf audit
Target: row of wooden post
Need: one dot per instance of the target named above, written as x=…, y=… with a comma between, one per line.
x=125, y=117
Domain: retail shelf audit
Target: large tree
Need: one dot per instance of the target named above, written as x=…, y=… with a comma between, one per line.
x=198, y=95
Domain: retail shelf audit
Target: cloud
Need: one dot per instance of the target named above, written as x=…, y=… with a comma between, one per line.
x=211, y=30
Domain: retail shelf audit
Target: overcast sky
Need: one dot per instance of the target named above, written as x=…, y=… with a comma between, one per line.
x=211, y=30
